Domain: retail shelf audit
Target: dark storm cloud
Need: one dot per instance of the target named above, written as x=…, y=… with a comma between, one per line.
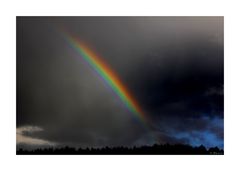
x=182, y=75
x=172, y=65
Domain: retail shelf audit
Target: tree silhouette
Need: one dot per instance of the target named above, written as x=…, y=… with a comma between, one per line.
x=155, y=149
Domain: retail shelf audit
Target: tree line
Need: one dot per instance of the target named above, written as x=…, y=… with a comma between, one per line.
x=155, y=149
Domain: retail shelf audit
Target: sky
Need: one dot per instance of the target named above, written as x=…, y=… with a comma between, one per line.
x=173, y=67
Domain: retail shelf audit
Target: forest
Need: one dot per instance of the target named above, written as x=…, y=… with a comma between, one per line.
x=176, y=149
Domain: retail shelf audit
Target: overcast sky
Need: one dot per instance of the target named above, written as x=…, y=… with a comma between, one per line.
x=173, y=66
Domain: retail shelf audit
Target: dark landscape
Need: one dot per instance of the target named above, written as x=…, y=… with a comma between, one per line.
x=155, y=149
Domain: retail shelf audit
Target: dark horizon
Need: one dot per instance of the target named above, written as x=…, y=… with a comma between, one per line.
x=175, y=149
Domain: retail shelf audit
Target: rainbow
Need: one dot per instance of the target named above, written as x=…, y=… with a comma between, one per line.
x=109, y=77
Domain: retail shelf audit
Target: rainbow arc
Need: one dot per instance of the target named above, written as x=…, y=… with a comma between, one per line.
x=109, y=76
